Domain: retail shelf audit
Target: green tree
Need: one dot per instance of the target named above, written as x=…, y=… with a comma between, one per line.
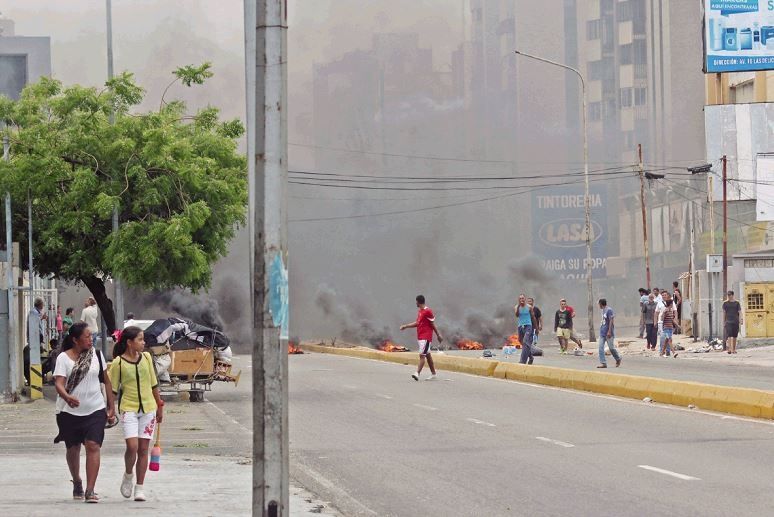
x=178, y=181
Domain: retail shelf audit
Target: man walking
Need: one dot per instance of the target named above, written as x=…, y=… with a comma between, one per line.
x=525, y=319
x=563, y=326
x=607, y=335
x=649, y=315
x=538, y=320
x=573, y=336
x=90, y=316
x=425, y=325
x=732, y=319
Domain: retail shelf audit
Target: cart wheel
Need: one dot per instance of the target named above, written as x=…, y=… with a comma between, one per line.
x=196, y=395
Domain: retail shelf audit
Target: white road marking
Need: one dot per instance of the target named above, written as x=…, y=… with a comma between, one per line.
x=334, y=487
x=233, y=420
x=422, y=406
x=480, y=422
x=555, y=442
x=384, y=396
x=677, y=475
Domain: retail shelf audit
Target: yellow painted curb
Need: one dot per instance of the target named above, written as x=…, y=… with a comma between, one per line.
x=725, y=399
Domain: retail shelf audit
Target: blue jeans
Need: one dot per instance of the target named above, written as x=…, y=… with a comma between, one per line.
x=666, y=340
x=611, y=345
x=525, y=338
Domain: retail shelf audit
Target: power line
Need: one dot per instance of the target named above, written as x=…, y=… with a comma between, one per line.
x=449, y=205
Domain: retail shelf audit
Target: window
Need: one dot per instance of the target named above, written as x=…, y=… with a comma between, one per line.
x=755, y=302
x=595, y=70
x=595, y=111
x=626, y=97
x=625, y=11
x=593, y=29
x=639, y=52
x=640, y=96
x=626, y=54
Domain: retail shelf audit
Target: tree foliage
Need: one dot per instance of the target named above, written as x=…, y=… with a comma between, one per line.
x=178, y=181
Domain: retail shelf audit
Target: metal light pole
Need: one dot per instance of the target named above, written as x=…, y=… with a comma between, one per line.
x=266, y=54
x=119, y=288
x=10, y=356
x=586, y=197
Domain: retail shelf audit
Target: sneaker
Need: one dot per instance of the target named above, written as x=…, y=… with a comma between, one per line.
x=617, y=363
x=127, y=484
x=78, y=490
x=602, y=366
x=415, y=376
x=529, y=361
x=91, y=496
x=433, y=377
x=139, y=493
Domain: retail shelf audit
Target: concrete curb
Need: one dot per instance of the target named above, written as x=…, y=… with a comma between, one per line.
x=724, y=399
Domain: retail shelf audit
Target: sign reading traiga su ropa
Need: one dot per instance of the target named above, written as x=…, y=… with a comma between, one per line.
x=559, y=231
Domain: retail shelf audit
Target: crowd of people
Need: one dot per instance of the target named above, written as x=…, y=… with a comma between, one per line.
x=660, y=315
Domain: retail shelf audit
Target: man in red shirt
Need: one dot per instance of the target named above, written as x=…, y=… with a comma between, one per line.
x=573, y=335
x=425, y=325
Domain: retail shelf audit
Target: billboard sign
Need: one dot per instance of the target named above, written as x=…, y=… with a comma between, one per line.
x=738, y=35
x=559, y=236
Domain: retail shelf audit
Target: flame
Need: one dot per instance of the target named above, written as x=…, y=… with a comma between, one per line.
x=467, y=344
x=294, y=349
x=513, y=340
x=389, y=346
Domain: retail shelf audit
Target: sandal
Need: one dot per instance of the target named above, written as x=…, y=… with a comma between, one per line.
x=91, y=496
x=77, y=490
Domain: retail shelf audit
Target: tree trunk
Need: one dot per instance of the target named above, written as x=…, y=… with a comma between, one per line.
x=97, y=288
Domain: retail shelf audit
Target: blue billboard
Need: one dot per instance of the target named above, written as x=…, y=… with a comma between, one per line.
x=738, y=35
x=558, y=231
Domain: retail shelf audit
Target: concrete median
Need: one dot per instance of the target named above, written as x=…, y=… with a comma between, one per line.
x=724, y=399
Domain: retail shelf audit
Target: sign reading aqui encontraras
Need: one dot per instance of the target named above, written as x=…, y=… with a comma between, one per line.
x=738, y=35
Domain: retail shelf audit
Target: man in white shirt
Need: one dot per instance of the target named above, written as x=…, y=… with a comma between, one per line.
x=90, y=316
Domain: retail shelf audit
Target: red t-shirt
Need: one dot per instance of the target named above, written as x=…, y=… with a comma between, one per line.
x=424, y=327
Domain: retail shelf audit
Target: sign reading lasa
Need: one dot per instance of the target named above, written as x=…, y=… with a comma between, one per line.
x=738, y=35
x=559, y=235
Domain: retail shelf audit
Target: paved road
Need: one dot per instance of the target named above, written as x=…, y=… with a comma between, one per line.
x=374, y=442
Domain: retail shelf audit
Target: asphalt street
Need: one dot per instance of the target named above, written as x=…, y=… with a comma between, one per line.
x=368, y=438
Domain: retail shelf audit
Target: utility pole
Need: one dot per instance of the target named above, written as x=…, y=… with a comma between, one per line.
x=119, y=288
x=725, y=226
x=11, y=387
x=34, y=320
x=644, y=218
x=586, y=197
x=711, y=216
x=266, y=42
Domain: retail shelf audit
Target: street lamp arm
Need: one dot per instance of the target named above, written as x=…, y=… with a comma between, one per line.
x=555, y=63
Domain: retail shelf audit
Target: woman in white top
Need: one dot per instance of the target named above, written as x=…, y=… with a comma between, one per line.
x=80, y=406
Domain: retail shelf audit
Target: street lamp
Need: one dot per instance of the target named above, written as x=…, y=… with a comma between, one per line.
x=587, y=199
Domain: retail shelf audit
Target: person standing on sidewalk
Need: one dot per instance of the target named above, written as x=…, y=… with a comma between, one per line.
x=90, y=314
x=607, y=335
x=667, y=323
x=81, y=413
x=732, y=319
x=573, y=336
x=563, y=325
x=425, y=325
x=643, y=300
x=133, y=375
x=525, y=319
x=649, y=315
x=538, y=328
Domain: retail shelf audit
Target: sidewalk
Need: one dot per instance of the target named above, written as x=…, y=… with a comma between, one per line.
x=749, y=368
x=205, y=469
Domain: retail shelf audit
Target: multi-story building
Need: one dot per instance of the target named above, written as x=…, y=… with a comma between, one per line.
x=642, y=61
x=23, y=59
x=740, y=88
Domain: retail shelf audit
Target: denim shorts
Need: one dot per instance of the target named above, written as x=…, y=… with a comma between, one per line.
x=667, y=333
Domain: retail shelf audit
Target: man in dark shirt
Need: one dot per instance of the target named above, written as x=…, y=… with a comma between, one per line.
x=732, y=319
x=563, y=325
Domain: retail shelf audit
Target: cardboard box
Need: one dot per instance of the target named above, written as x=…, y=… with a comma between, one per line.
x=197, y=361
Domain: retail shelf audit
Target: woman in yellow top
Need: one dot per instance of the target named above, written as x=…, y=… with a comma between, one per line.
x=134, y=381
